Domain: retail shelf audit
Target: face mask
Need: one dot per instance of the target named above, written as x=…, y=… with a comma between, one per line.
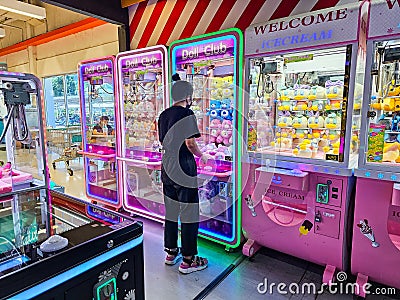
x=188, y=105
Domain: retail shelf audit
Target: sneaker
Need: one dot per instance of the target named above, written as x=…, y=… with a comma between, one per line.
x=197, y=263
x=172, y=257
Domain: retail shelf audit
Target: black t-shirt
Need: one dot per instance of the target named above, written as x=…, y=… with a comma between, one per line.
x=175, y=125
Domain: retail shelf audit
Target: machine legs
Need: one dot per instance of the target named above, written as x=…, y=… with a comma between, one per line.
x=329, y=274
x=250, y=248
x=361, y=282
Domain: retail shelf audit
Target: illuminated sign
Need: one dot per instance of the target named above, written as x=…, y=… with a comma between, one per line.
x=205, y=50
x=140, y=61
x=102, y=215
x=96, y=69
x=324, y=27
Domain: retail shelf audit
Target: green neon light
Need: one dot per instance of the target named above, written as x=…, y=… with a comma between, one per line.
x=114, y=293
x=238, y=187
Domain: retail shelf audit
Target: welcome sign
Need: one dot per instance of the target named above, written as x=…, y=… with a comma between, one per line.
x=384, y=18
x=323, y=27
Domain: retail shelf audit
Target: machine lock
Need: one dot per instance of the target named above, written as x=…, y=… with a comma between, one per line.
x=318, y=217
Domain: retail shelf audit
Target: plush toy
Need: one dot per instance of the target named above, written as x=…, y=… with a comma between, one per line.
x=284, y=105
x=315, y=105
x=332, y=121
x=301, y=92
x=226, y=124
x=299, y=122
x=6, y=170
x=313, y=93
x=214, y=111
x=334, y=90
x=215, y=123
x=315, y=121
x=303, y=151
x=226, y=111
x=214, y=133
x=300, y=106
x=323, y=144
x=215, y=94
x=285, y=121
x=227, y=82
x=227, y=93
x=392, y=90
x=215, y=130
x=226, y=137
x=226, y=103
x=286, y=94
x=317, y=93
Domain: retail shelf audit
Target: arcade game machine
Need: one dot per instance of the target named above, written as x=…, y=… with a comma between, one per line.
x=97, y=95
x=302, y=111
x=43, y=255
x=376, y=235
x=213, y=64
x=143, y=94
x=70, y=257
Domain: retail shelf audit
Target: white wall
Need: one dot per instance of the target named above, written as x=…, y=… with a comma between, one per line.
x=63, y=55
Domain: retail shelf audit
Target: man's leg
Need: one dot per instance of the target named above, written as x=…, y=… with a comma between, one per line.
x=171, y=217
x=189, y=200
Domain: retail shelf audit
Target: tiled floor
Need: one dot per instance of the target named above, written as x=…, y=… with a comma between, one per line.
x=165, y=282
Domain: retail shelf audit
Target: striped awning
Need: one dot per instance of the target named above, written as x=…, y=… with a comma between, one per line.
x=159, y=22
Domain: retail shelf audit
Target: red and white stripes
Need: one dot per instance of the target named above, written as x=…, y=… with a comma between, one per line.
x=159, y=22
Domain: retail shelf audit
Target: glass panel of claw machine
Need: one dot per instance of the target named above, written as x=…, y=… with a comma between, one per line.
x=297, y=105
x=212, y=63
x=142, y=77
x=383, y=131
x=97, y=94
x=23, y=162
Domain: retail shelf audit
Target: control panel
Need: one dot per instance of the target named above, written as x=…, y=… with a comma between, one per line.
x=329, y=191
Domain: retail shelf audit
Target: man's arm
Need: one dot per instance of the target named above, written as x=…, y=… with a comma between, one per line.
x=193, y=147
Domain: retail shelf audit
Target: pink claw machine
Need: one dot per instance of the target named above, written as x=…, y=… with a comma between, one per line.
x=213, y=64
x=143, y=95
x=376, y=233
x=302, y=113
x=97, y=95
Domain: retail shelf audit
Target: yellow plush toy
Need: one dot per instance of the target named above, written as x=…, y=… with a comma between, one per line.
x=391, y=152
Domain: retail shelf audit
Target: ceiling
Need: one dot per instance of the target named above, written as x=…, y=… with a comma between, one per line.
x=19, y=27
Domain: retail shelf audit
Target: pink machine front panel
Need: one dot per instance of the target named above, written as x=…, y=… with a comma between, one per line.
x=283, y=213
x=377, y=237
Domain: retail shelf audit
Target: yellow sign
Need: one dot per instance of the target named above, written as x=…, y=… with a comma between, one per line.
x=298, y=58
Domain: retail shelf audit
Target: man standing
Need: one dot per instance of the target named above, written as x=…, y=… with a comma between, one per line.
x=177, y=127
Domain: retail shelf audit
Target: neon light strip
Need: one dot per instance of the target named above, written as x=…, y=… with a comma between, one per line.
x=121, y=145
x=113, y=202
x=76, y=271
x=238, y=71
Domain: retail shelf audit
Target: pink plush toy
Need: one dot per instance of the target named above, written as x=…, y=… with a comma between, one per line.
x=6, y=169
x=226, y=124
x=215, y=123
x=214, y=134
x=226, y=135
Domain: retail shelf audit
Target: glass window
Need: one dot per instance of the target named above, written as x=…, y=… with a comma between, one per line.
x=72, y=97
x=297, y=104
x=56, y=113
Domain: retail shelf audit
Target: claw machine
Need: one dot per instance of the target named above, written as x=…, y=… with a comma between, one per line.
x=143, y=95
x=302, y=116
x=213, y=64
x=376, y=235
x=98, y=96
